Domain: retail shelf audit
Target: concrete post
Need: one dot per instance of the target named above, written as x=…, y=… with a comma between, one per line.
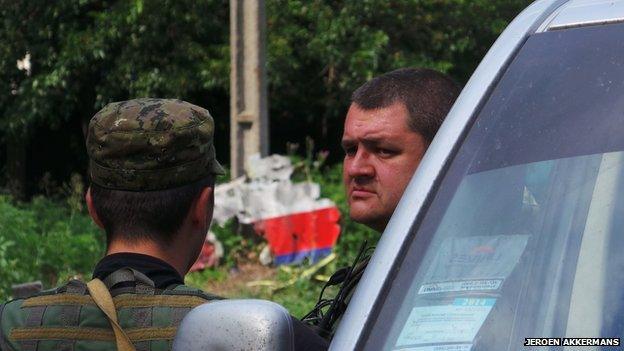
x=249, y=122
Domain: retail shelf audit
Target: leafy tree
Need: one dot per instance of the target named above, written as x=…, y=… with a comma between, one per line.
x=86, y=53
x=320, y=51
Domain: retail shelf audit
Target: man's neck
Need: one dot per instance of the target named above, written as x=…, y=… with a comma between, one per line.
x=171, y=255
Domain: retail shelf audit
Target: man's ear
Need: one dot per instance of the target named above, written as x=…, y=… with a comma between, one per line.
x=91, y=208
x=203, y=207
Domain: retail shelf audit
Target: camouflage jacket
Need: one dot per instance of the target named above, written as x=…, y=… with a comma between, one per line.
x=66, y=318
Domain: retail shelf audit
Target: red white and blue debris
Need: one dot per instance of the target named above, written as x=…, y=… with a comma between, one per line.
x=295, y=221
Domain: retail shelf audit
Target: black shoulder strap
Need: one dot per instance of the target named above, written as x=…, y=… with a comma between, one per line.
x=74, y=286
x=143, y=284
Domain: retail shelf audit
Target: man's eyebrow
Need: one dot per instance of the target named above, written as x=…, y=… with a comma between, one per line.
x=369, y=140
x=376, y=140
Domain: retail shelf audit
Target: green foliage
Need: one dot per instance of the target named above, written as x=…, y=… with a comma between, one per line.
x=45, y=240
x=87, y=53
x=199, y=279
x=319, y=51
x=239, y=245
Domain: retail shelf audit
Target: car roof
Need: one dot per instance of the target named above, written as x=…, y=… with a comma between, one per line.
x=579, y=13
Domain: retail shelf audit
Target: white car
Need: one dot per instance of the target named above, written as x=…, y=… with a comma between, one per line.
x=512, y=229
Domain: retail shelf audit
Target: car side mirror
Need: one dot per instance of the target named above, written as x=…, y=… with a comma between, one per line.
x=256, y=325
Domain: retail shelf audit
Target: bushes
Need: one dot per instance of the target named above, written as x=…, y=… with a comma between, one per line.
x=45, y=240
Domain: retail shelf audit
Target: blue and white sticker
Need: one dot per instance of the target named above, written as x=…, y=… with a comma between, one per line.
x=458, y=322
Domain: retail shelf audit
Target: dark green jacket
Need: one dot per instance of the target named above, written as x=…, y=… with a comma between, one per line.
x=67, y=319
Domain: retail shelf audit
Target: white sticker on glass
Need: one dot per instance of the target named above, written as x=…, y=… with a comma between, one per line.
x=443, y=324
x=467, y=285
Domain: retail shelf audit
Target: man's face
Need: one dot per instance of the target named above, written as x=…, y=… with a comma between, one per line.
x=381, y=155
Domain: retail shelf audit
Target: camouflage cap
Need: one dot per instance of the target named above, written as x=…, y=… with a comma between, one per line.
x=151, y=144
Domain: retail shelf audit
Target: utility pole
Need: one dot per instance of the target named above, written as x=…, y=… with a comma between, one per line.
x=249, y=123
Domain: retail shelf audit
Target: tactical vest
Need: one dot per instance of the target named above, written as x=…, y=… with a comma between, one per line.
x=67, y=318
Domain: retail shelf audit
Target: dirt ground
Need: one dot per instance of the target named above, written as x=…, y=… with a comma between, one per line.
x=236, y=281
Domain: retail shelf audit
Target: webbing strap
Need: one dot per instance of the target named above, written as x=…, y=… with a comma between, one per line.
x=119, y=276
x=69, y=317
x=158, y=301
x=104, y=301
x=121, y=301
x=178, y=314
x=143, y=284
x=34, y=318
x=97, y=334
x=62, y=333
x=142, y=318
x=61, y=299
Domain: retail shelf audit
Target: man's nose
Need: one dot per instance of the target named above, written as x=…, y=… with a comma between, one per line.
x=360, y=165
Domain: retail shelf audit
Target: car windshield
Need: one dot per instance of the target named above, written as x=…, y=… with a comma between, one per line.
x=523, y=238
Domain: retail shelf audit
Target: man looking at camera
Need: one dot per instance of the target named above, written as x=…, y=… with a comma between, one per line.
x=390, y=123
x=389, y=126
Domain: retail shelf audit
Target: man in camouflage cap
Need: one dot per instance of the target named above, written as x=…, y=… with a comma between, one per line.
x=151, y=144
x=152, y=169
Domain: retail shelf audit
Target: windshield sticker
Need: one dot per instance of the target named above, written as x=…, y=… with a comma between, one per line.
x=453, y=347
x=443, y=324
x=467, y=285
x=476, y=258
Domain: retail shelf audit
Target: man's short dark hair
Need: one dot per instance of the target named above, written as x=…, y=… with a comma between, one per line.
x=427, y=94
x=150, y=215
